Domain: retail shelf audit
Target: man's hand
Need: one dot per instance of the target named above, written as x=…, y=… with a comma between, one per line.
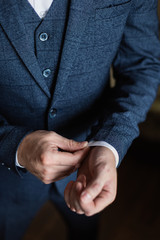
x=49, y=156
x=96, y=185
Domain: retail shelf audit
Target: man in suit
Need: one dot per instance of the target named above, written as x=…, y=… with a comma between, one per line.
x=58, y=112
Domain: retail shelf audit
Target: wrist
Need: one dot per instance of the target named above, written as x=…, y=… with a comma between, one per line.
x=108, y=146
x=106, y=154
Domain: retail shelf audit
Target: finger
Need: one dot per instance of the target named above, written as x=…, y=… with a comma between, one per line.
x=75, y=194
x=54, y=157
x=79, y=188
x=82, y=178
x=68, y=144
x=54, y=172
x=98, y=204
x=93, y=189
x=101, y=175
x=104, y=198
x=68, y=159
x=51, y=179
x=74, y=197
x=50, y=174
x=67, y=193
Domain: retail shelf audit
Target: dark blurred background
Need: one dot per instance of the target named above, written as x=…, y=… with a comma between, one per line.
x=135, y=215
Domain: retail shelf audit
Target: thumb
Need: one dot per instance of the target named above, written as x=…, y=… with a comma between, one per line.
x=93, y=188
x=71, y=145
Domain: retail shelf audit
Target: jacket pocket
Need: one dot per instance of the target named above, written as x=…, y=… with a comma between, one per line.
x=113, y=10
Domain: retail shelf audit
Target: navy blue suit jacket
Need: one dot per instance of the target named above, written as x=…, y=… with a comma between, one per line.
x=122, y=33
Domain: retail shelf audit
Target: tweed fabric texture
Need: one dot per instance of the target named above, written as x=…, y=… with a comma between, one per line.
x=47, y=52
x=90, y=37
x=97, y=34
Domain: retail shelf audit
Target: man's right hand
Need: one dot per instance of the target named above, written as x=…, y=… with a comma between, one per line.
x=49, y=156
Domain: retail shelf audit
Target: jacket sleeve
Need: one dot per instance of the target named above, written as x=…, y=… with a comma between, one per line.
x=137, y=73
x=10, y=137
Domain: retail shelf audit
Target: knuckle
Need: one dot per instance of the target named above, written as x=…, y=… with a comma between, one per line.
x=52, y=134
x=44, y=159
x=96, y=186
x=46, y=180
x=44, y=173
x=70, y=143
x=88, y=213
x=79, y=212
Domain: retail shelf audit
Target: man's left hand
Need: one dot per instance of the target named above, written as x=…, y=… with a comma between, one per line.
x=96, y=184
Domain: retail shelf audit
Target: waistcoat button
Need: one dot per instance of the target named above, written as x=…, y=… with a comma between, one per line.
x=43, y=37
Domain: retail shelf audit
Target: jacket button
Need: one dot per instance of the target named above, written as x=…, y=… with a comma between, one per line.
x=53, y=113
x=46, y=72
x=43, y=37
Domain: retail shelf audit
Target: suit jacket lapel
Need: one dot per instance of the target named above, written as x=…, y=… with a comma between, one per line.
x=12, y=24
x=79, y=13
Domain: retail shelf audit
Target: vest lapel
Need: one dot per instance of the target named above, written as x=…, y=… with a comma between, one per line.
x=12, y=24
x=79, y=13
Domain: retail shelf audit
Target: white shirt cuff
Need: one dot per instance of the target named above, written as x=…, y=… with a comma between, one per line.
x=105, y=144
x=17, y=163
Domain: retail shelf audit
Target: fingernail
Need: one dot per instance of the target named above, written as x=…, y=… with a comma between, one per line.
x=85, y=144
x=86, y=197
x=73, y=209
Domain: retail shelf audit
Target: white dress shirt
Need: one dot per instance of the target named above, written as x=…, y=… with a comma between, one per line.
x=41, y=7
